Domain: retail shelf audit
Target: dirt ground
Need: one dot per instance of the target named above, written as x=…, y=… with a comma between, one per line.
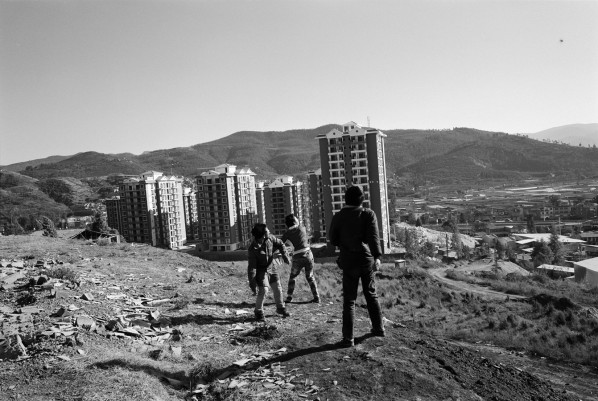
x=213, y=349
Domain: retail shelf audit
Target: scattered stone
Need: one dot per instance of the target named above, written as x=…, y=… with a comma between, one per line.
x=12, y=347
x=87, y=296
x=176, y=351
x=156, y=354
x=30, y=309
x=13, y=277
x=85, y=322
x=154, y=315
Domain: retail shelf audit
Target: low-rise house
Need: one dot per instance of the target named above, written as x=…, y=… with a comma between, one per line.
x=587, y=271
x=569, y=244
x=555, y=271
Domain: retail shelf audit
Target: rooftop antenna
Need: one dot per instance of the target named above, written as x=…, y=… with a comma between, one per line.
x=369, y=121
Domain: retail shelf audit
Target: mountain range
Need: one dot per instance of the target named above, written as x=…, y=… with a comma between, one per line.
x=458, y=155
x=573, y=134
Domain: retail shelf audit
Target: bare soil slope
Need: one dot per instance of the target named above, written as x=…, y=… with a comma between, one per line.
x=140, y=323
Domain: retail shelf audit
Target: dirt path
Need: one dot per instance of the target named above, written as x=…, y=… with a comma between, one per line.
x=440, y=274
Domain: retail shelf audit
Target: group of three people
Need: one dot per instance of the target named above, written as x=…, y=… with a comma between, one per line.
x=354, y=230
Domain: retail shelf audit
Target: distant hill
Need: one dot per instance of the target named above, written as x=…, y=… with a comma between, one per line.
x=23, y=200
x=16, y=167
x=573, y=134
x=456, y=155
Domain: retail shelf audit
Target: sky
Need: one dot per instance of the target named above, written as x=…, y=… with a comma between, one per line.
x=134, y=76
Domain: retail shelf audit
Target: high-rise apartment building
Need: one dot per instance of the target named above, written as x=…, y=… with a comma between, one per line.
x=226, y=206
x=152, y=210
x=305, y=207
x=282, y=197
x=354, y=155
x=113, y=213
x=191, y=216
x=260, y=202
x=316, y=203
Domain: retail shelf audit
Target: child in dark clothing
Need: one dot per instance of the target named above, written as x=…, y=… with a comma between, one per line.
x=262, y=268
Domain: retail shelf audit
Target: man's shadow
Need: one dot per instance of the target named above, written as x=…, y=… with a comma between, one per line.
x=236, y=370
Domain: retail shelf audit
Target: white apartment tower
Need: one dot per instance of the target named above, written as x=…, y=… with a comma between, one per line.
x=152, y=210
x=354, y=155
x=226, y=207
x=282, y=197
x=191, y=216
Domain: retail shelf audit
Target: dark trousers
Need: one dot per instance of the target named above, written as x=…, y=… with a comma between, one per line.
x=300, y=263
x=351, y=277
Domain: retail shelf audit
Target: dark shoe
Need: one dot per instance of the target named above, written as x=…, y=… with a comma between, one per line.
x=378, y=333
x=283, y=312
x=259, y=317
x=289, y=299
x=346, y=343
x=316, y=300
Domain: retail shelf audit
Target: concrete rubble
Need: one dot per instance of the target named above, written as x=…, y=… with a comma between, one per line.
x=136, y=317
x=254, y=369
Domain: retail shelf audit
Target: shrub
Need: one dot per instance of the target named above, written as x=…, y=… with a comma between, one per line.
x=559, y=318
x=103, y=241
x=63, y=273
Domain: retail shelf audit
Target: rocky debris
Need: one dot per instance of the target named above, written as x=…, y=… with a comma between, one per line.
x=87, y=297
x=136, y=315
x=254, y=369
x=11, y=347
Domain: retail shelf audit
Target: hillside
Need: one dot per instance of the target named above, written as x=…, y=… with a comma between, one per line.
x=22, y=200
x=16, y=167
x=140, y=323
x=573, y=134
x=89, y=164
x=457, y=155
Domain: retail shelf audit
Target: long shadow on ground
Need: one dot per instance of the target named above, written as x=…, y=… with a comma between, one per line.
x=235, y=370
x=176, y=380
x=202, y=320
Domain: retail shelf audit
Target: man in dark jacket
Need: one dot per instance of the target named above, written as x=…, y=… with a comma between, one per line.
x=354, y=229
x=263, y=257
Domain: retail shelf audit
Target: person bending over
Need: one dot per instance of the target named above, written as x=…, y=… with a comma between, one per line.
x=302, y=257
x=262, y=268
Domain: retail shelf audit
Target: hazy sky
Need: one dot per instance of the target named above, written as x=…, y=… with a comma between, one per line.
x=132, y=76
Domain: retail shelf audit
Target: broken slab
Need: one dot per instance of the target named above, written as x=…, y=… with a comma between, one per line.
x=85, y=322
x=12, y=347
x=87, y=296
x=12, y=278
